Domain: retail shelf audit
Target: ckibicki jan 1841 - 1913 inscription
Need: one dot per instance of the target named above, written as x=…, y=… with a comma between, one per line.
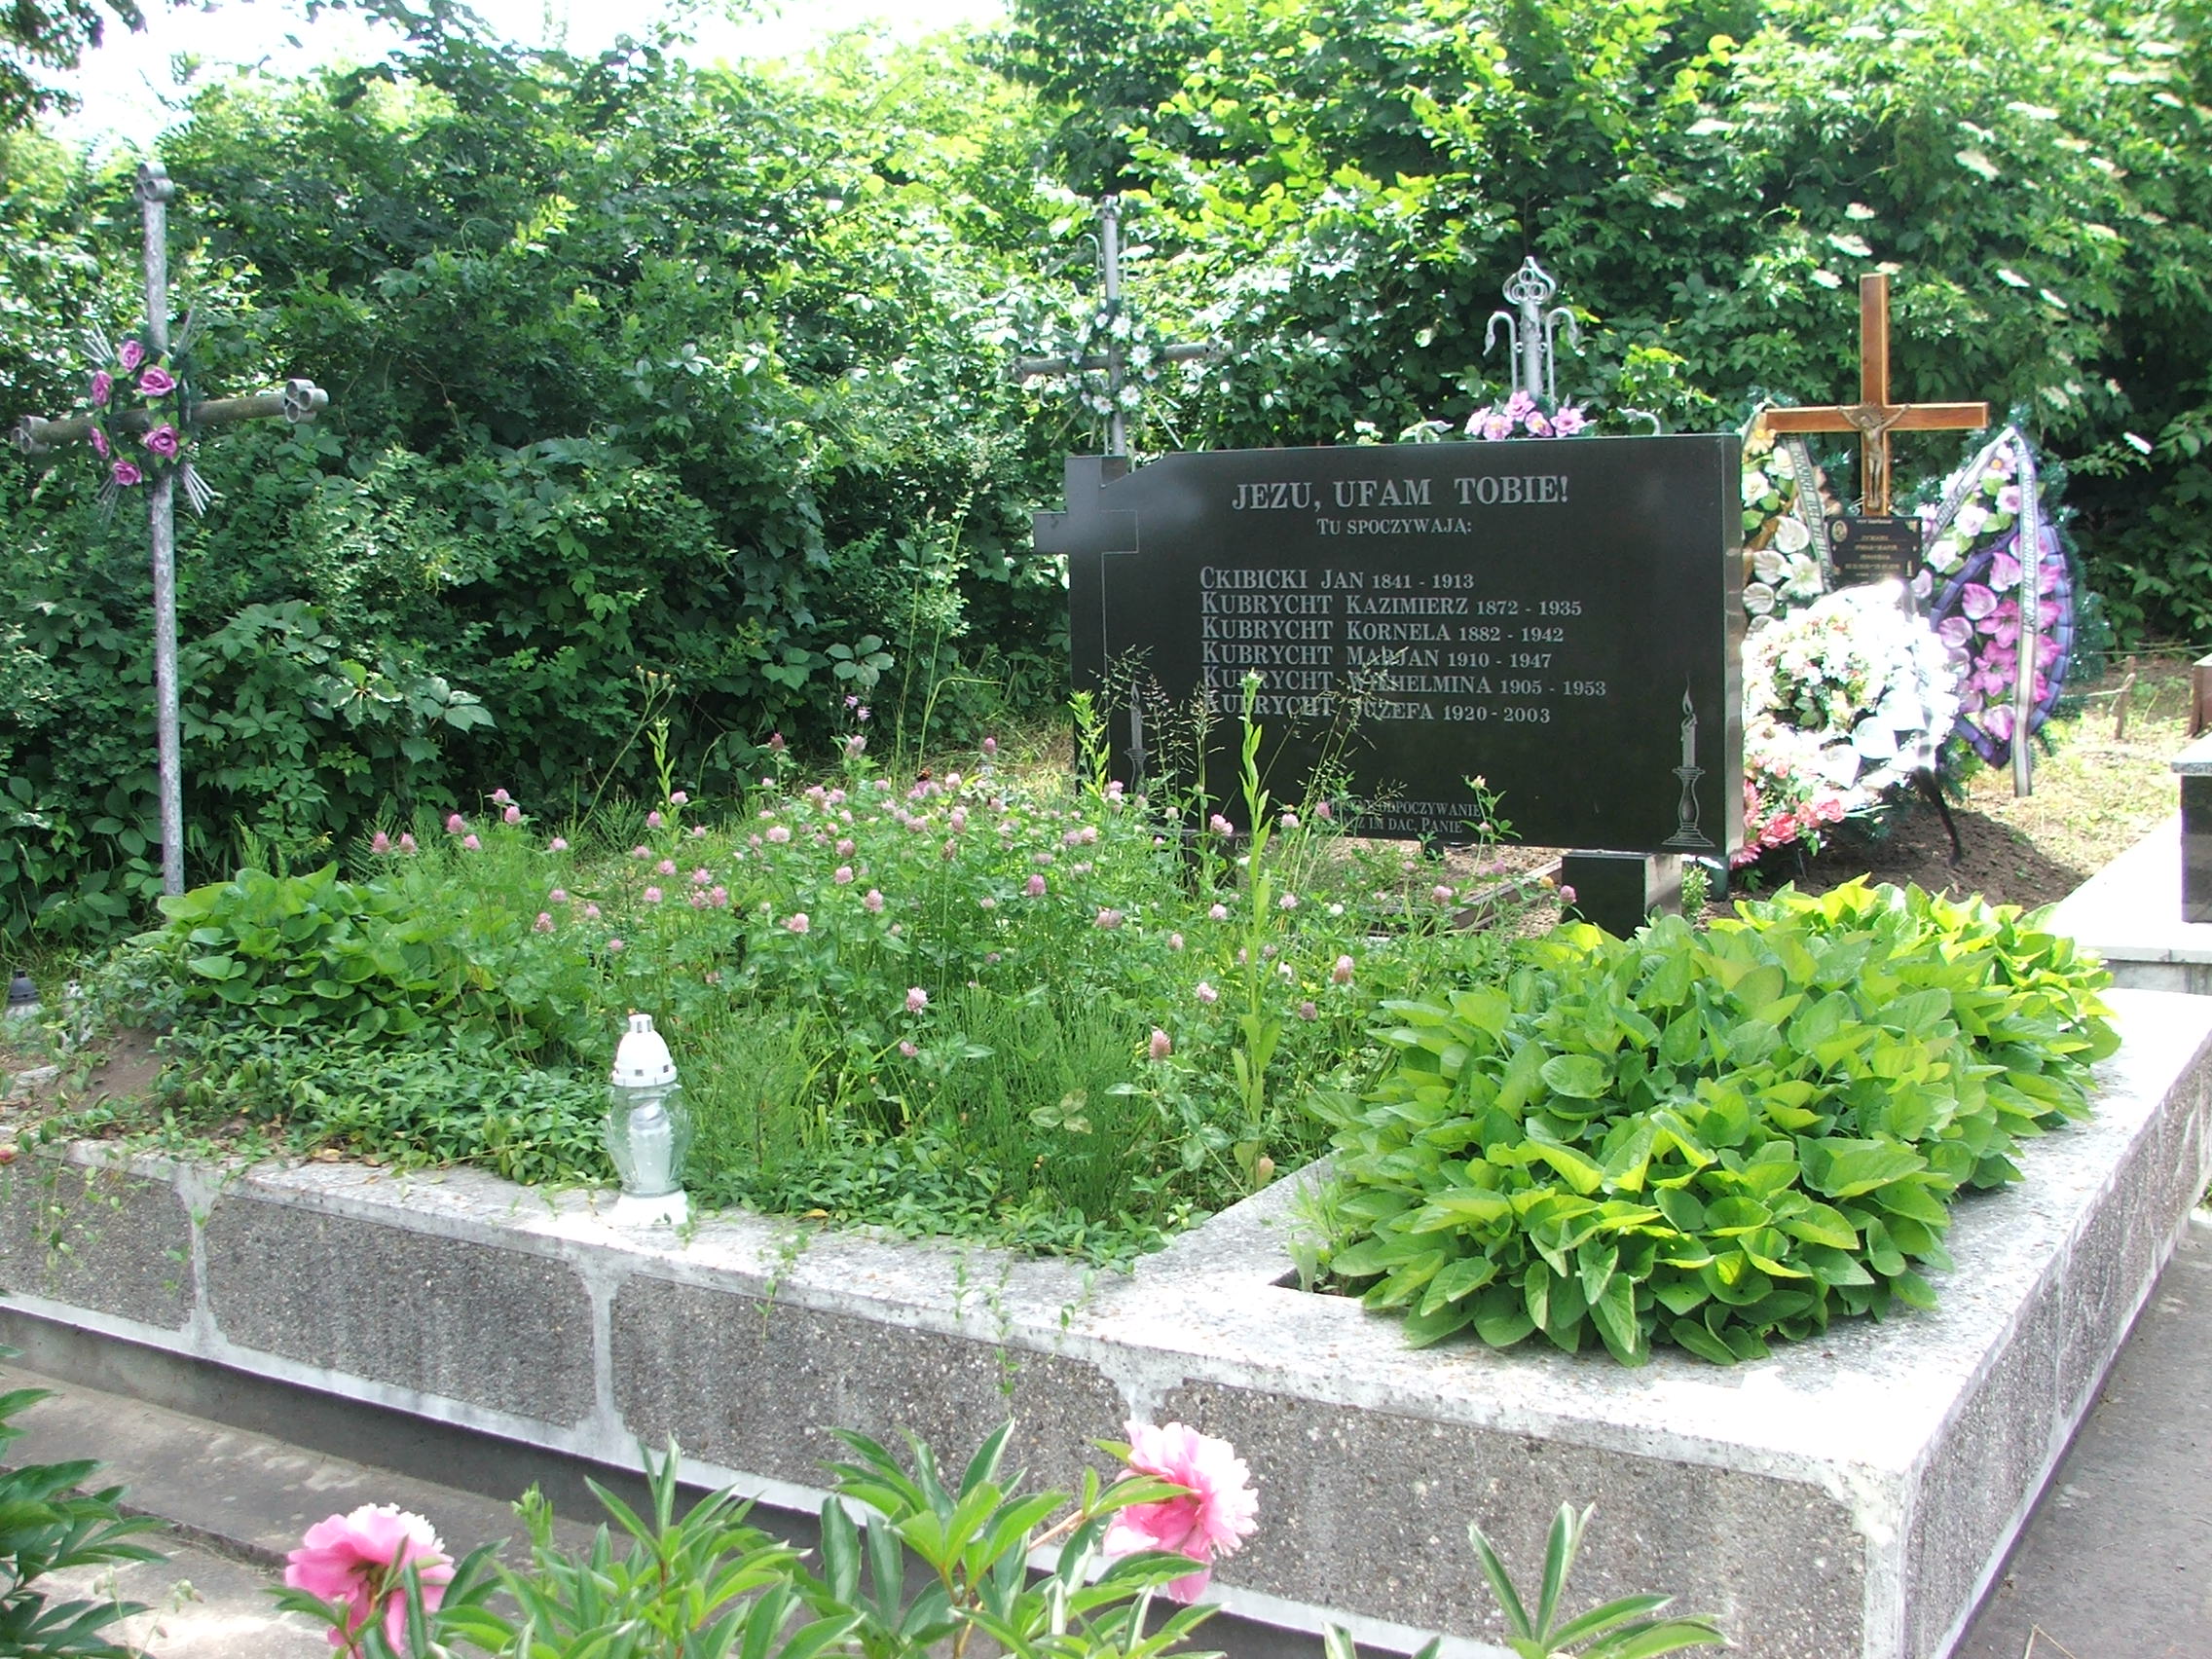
x=1561, y=618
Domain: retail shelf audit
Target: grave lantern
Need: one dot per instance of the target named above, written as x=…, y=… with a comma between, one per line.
x=649, y=1131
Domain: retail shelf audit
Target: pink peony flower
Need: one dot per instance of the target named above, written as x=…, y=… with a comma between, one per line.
x=126, y=474
x=917, y=998
x=797, y=924
x=157, y=382
x=1159, y=1046
x=162, y=441
x=130, y=353
x=359, y=1559
x=1219, y=1513
x=103, y=387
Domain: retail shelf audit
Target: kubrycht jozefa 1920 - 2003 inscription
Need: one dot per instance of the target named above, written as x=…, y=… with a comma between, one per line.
x=1560, y=618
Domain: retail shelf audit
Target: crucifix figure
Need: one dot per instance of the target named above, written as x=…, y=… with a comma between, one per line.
x=299, y=401
x=1874, y=416
x=1112, y=360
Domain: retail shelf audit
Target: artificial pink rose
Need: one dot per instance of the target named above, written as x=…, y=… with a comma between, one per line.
x=1496, y=426
x=1518, y=405
x=1219, y=1513
x=1569, y=420
x=1535, y=423
x=103, y=387
x=162, y=441
x=98, y=441
x=130, y=353
x=359, y=1560
x=156, y=381
x=126, y=475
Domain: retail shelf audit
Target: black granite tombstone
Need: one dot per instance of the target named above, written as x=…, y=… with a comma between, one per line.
x=1559, y=617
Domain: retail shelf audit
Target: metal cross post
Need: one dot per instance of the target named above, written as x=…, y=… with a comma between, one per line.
x=1532, y=331
x=299, y=401
x=1110, y=270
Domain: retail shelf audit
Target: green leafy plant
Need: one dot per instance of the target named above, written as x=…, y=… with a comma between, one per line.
x=1706, y=1139
x=1619, y=1630
x=705, y=1583
x=50, y=1524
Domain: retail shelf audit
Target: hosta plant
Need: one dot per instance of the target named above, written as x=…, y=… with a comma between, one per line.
x=1708, y=1138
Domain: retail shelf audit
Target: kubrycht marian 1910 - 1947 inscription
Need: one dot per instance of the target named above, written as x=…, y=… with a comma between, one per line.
x=1561, y=618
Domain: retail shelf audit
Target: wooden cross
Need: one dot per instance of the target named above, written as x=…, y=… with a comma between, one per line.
x=1874, y=416
x=299, y=401
x=1110, y=272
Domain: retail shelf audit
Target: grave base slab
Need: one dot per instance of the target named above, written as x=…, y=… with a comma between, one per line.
x=1852, y=1496
x=2130, y=915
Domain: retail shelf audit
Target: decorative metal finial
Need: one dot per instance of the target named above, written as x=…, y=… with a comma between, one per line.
x=1532, y=331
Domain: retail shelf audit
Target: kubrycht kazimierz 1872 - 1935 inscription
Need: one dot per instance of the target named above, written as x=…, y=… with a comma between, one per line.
x=1561, y=618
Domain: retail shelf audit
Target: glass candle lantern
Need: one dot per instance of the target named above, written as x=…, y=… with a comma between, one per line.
x=649, y=1131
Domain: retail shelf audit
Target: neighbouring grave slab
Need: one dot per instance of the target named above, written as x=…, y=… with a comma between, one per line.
x=1559, y=617
x=2130, y=915
x=1848, y=1496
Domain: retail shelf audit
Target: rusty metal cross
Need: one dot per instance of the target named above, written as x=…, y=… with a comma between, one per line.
x=1874, y=416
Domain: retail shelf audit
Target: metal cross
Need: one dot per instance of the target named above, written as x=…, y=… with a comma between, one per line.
x=1532, y=331
x=299, y=401
x=1110, y=270
x=1874, y=416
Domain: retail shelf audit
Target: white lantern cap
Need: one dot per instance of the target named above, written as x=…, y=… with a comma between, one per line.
x=642, y=1058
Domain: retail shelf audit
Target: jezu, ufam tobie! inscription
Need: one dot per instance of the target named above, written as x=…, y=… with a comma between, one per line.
x=1558, y=617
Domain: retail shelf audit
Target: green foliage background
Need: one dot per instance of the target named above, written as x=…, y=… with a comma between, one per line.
x=643, y=371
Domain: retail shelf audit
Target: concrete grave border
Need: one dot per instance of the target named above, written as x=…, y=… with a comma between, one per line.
x=1851, y=1496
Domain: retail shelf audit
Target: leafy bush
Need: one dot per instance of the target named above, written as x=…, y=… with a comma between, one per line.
x=50, y=1524
x=1708, y=1139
